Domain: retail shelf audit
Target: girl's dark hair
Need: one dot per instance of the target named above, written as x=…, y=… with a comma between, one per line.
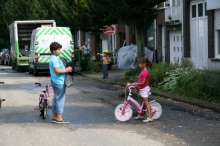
x=54, y=46
x=147, y=61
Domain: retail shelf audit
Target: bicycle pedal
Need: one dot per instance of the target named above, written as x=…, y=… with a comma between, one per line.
x=36, y=109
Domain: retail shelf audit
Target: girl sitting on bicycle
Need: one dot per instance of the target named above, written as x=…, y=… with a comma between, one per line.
x=143, y=85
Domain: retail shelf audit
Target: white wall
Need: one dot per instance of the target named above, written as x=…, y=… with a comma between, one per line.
x=213, y=4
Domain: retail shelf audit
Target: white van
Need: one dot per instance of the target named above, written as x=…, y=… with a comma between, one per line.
x=41, y=39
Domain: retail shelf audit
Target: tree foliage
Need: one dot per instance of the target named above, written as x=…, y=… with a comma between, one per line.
x=134, y=13
x=87, y=15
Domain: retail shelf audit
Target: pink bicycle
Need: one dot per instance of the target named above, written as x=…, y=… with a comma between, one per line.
x=124, y=112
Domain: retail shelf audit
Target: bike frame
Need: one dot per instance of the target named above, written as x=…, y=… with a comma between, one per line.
x=45, y=95
x=128, y=99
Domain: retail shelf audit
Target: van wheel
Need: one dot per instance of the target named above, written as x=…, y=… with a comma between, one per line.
x=29, y=69
x=35, y=71
x=13, y=66
x=16, y=67
x=9, y=62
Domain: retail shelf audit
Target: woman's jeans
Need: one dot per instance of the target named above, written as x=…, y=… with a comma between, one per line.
x=59, y=97
x=105, y=70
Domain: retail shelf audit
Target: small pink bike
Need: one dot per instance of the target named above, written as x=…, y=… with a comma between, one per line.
x=124, y=112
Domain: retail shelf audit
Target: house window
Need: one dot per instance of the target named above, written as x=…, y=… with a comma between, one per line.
x=200, y=10
x=174, y=38
x=218, y=37
x=205, y=9
x=193, y=11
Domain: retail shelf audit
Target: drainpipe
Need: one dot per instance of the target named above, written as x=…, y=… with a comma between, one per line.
x=182, y=27
x=155, y=40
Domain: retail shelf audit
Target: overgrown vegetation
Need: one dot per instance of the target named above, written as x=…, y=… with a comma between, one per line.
x=93, y=65
x=182, y=80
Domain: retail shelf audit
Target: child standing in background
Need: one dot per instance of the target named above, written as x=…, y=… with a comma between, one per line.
x=106, y=61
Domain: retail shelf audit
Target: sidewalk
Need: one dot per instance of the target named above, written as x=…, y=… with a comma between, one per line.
x=116, y=74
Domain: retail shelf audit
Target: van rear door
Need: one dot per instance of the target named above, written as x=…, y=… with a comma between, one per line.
x=44, y=37
x=64, y=37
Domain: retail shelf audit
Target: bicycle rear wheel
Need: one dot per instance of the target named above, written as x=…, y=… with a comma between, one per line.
x=44, y=109
x=156, y=110
x=123, y=117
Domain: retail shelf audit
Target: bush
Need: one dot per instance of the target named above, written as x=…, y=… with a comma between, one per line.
x=183, y=80
x=200, y=84
x=76, y=55
x=95, y=66
x=131, y=75
x=170, y=82
x=158, y=72
x=84, y=64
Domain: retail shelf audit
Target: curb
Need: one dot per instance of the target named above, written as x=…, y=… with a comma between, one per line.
x=206, y=105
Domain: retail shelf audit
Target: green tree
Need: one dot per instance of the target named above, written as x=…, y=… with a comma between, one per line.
x=134, y=13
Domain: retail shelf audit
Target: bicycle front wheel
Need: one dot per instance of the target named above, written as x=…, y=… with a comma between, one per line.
x=127, y=113
x=156, y=110
x=44, y=109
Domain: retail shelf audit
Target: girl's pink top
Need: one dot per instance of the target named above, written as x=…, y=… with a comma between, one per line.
x=143, y=74
x=106, y=59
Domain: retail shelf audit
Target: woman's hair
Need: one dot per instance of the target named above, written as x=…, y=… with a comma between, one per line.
x=147, y=61
x=54, y=46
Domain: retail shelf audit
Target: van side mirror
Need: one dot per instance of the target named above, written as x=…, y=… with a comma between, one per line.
x=36, y=42
x=71, y=42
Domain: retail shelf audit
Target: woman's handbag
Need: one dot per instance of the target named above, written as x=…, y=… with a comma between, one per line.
x=69, y=78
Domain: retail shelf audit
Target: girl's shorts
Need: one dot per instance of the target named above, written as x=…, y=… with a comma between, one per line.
x=145, y=92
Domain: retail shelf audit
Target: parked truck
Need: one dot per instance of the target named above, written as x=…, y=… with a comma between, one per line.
x=20, y=38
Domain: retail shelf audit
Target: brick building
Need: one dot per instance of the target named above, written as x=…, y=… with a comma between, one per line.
x=194, y=32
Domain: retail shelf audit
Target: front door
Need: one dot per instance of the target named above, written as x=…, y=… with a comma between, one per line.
x=176, y=49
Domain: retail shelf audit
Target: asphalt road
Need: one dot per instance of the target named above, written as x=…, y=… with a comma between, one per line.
x=89, y=106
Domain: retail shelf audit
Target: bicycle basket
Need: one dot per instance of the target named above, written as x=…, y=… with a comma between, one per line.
x=69, y=80
x=64, y=61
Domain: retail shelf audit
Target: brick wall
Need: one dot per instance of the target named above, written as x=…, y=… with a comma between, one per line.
x=211, y=34
x=161, y=17
x=186, y=28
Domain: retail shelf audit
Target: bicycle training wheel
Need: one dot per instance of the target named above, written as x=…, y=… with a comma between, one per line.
x=123, y=117
x=44, y=109
x=156, y=110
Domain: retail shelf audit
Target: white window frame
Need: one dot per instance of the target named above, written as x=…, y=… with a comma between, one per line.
x=217, y=43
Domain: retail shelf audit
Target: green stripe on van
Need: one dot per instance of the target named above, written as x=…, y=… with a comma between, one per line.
x=47, y=60
x=58, y=29
x=64, y=55
x=41, y=32
x=47, y=32
x=67, y=33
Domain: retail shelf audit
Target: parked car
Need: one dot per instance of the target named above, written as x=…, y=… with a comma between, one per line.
x=2, y=55
x=7, y=58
